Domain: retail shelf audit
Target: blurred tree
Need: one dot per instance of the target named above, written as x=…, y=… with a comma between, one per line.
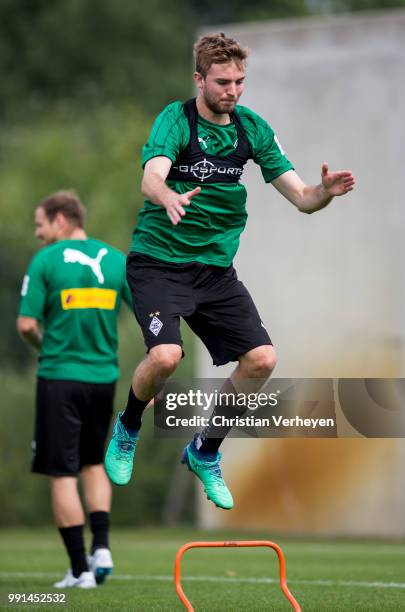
x=364, y=5
x=212, y=12
x=98, y=51
x=94, y=51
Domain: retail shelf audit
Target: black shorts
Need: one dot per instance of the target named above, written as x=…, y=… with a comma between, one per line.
x=71, y=425
x=211, y=299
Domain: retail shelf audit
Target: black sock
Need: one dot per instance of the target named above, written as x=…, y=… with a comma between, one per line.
x=74, y=543
x=132, y=414
x=212, y=436
x=99, y=525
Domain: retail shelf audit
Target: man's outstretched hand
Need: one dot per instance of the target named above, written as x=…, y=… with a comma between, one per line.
x=174, y=208
x=337, y=183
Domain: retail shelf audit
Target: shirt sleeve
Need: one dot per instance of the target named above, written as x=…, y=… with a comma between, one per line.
x=267, y=150
x=33, y=290
x=170, y=134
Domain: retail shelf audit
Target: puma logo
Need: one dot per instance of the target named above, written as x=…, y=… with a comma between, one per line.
x=74, y=256
x=203, y=141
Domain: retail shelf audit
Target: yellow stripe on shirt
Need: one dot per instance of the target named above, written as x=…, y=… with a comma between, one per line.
x=92, y=297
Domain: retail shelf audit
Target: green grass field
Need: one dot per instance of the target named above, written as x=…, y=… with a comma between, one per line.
x=323, y=575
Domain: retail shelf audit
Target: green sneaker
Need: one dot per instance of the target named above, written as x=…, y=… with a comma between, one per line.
x=119, y=458
x=209, y=472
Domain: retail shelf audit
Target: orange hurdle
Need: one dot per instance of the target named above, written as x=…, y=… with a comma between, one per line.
x=281, y=560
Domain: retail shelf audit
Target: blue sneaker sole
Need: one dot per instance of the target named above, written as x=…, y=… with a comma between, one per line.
x=102, y=573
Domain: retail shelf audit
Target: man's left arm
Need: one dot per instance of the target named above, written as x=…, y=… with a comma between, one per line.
x=310, y=198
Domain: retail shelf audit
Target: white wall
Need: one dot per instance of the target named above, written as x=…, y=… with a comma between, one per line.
x=329, y=286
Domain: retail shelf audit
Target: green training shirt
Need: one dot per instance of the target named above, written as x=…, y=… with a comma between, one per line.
x=75, y=287
x=209, y=232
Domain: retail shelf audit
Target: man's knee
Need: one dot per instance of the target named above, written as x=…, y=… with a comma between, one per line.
x=259, y=362
x=166, y=358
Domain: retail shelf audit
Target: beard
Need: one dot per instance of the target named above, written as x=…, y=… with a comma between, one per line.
x=219, y=107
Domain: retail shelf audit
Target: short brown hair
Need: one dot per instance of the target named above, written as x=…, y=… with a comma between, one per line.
x=67, y=203
x=217, y=49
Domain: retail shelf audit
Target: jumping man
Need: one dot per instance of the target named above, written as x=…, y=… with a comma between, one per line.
x=185, y=240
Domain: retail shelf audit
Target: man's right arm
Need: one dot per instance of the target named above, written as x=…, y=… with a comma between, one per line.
x=155, y=189
x=28, y=328
x=32, y=304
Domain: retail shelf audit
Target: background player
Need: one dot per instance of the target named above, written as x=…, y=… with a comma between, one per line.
x=70, y=299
